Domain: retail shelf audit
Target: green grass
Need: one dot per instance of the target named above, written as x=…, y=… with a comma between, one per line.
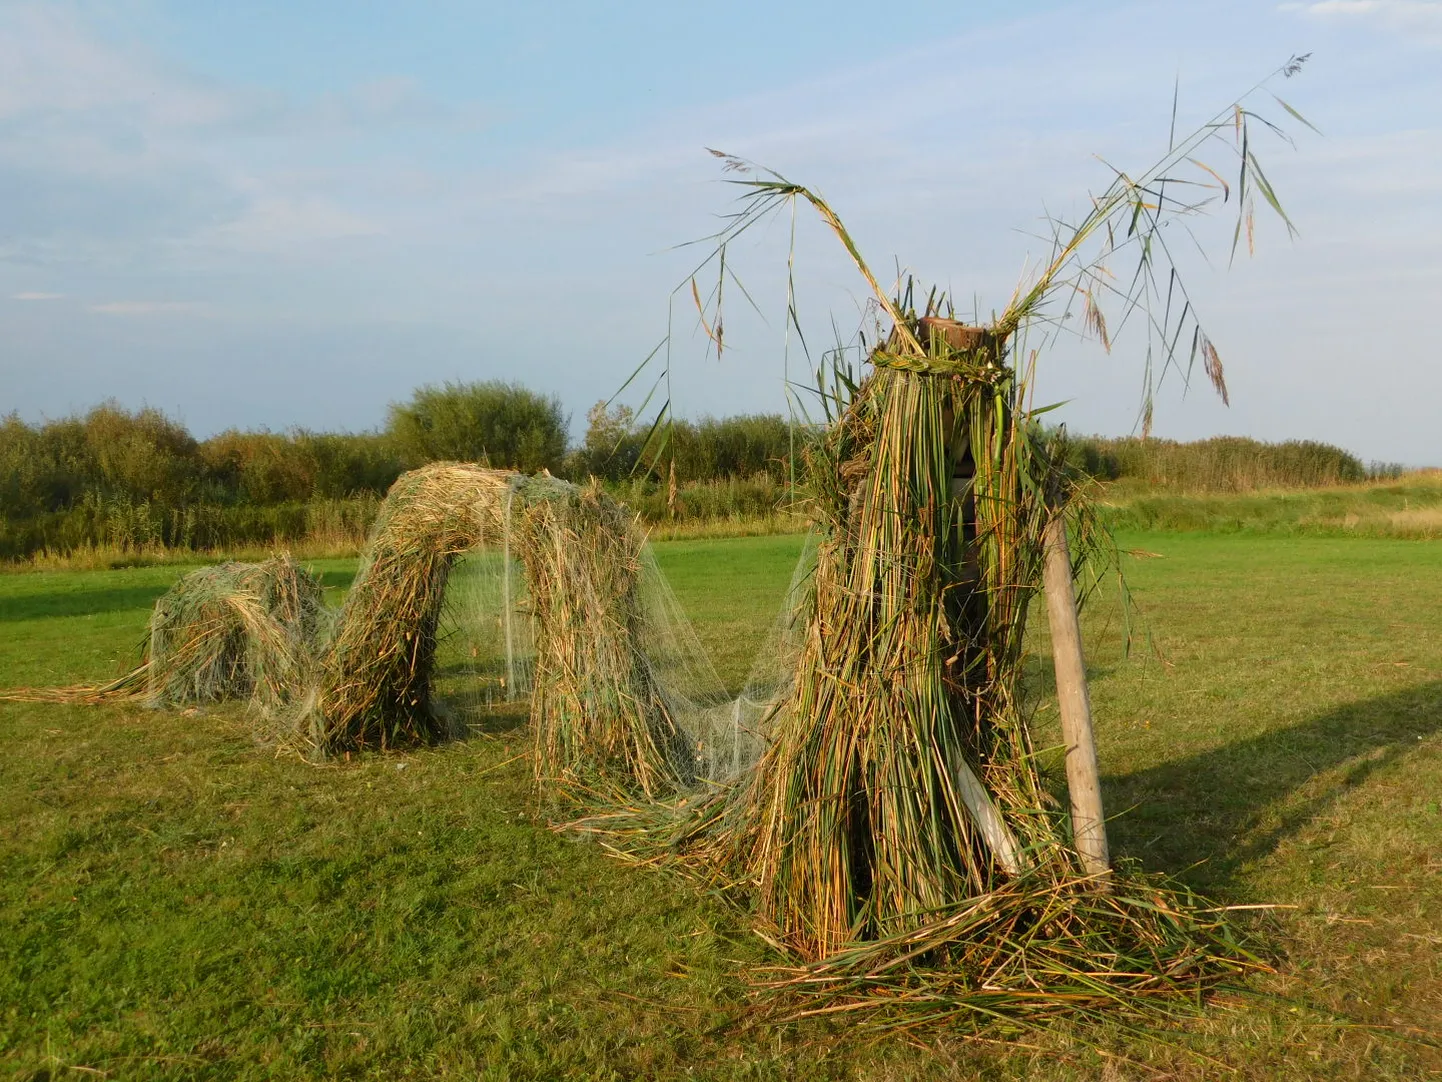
x=177, y=901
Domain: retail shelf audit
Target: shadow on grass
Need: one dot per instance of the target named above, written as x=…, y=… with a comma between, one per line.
x=498, y=720
x=1207, y=815
x=336, y=580
x=78, y=603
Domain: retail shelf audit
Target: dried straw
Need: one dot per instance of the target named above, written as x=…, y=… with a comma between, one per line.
x=599, y=721
x=232, y=631
x=896, y=837
x=372, y=682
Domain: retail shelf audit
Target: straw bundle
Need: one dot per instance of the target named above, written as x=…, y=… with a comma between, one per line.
x=600, y=721
x=896, y=834
x=898, y=816
x=598, y=717
x=869, y=811
x=373, y=679
x=233, y=631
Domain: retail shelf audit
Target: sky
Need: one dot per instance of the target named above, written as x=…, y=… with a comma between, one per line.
x=290, y=215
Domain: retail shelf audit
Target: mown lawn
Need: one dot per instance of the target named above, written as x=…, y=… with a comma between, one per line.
x=179, y=901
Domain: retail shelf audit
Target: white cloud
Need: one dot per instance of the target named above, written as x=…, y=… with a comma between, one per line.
x=1420, y=19
x=278, y=222
x=115, y=156
x=31, y=295
x=147, y=308
x=50, y=64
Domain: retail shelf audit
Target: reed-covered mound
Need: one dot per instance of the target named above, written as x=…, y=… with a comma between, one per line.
x=895, y=833
x=372, y=682
x=235, y=631
x=232, y=631
x=600, y=716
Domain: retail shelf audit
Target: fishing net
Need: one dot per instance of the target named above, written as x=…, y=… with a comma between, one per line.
x=483, y=592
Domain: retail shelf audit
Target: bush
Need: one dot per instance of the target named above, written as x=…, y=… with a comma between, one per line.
x=502, y=425
x=348, y=464
x=111, y=452
x=142, y=455
x=711, y=449
x=612, y=446
x=268, y=468
x=257, y=467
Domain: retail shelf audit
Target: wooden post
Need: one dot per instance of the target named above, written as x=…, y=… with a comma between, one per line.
x=1082, y=777
x=506, y=613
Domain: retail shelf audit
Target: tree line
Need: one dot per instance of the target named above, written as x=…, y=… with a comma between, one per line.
x=133, y=478
x=143, y=455
x=1220, y=464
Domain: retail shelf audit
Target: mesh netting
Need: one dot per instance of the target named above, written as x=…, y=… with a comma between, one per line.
x=484, y=592
x=614, y=639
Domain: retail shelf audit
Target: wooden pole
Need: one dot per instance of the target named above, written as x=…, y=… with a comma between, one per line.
x=506, y=613
x=1082, y=777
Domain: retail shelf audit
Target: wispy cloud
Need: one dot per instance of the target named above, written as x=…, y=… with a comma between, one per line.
x=115, y=155
x=148, y=308
x=31, y=295
x=1420, y=19
x=277, y=222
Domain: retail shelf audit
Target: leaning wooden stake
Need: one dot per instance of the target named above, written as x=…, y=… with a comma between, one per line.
x=1083, y=780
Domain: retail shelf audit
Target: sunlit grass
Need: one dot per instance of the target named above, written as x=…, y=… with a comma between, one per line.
x=177, y=902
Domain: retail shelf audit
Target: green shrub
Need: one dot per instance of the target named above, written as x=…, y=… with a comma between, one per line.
x=502, y=425
x=711, y=449
x=131, y=526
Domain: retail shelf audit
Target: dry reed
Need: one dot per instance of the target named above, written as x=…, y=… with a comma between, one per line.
x=231, y=631
x=597, y=716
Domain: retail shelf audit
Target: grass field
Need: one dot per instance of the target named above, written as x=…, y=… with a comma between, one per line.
x=1409, y=506
x=177, y=901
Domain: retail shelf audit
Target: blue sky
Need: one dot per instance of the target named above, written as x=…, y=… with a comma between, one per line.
x=292, y=214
